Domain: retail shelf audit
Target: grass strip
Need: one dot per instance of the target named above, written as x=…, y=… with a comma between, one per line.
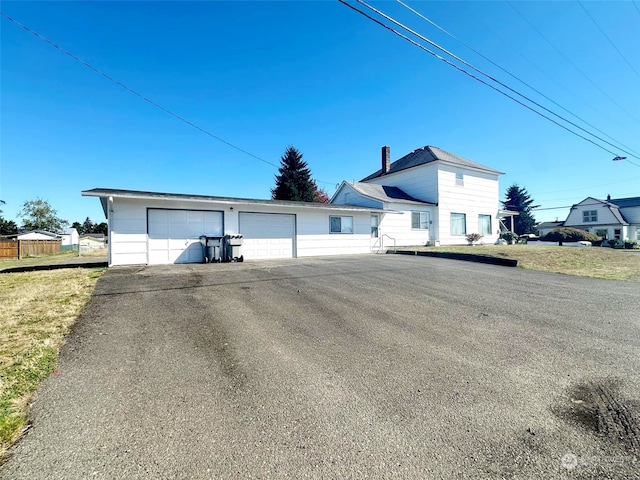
x=39, y=309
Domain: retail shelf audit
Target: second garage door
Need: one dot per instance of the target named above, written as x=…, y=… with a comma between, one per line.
x=268, y=235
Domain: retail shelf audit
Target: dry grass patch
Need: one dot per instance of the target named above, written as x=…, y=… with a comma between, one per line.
x=38, y=310
x=593, y=262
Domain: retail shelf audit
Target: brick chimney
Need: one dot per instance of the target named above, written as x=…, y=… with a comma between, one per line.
x=386, y=159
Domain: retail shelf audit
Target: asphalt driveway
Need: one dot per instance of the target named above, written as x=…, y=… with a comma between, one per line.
x=355, y=367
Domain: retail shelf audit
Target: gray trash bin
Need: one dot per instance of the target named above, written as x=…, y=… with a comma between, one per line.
x=211, y=248
x=232, y=247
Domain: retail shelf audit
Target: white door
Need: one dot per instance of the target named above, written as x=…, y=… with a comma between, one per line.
x=268, y=235
x=174, y=234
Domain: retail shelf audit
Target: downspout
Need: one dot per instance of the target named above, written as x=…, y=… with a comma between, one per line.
x=109, y=242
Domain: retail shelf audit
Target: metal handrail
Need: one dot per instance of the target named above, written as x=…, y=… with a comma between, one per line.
x=390, y=238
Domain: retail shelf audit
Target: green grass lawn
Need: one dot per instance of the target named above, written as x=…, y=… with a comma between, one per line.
x=594, y=262
x=38, y=310
x=57, y=258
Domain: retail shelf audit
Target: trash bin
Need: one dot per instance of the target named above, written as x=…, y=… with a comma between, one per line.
x=232, y=246
x=211, y=248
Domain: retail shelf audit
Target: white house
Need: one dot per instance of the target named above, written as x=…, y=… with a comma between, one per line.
x=617, y=219
x=70, y=239
x=36, y=235
x=92, y=241
x=429, y=196
x=159, y=228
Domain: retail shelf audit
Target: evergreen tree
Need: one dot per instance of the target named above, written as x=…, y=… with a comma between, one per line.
x=519, y=200
x=294, y=180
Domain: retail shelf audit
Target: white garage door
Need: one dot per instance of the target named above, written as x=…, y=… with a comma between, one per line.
x=174, y=234
x=268, y=235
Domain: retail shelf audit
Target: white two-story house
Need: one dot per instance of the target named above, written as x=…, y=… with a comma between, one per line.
x=427, y=197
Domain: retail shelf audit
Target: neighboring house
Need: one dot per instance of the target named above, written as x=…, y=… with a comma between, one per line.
x=613, y=218
x=428, y=197
x=34, y=235
x=546, y=227
x=70, y=239
x=91, y=241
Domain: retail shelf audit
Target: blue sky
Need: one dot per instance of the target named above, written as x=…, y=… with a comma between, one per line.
x=316, y=75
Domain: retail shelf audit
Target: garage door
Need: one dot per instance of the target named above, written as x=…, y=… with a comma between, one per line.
x=268, y=235
x=174, y=234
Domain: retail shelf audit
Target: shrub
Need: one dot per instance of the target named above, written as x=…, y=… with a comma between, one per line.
x=510, y=237
x=473, y=237
x=630, y=244
x=568, y=234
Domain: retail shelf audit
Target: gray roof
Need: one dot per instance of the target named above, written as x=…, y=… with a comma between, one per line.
x=385, y=193
x=428, y=154
x=626, y=202
x=104, y=193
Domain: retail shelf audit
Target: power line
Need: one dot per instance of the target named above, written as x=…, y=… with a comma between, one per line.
x=571, y=63
x=512, y=75
x=608, y=39
x=141, y=96
x=462, y=70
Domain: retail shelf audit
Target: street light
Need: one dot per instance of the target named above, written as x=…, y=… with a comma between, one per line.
x=618, y=158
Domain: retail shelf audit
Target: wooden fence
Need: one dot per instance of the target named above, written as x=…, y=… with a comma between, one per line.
x=16, y=249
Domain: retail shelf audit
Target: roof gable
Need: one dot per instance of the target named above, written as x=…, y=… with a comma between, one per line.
x=385, y=193
x=429, y=154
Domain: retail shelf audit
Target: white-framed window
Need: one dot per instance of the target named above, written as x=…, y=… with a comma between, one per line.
x=420, y=220
x=340, y=224
x=617, y=233
x=638, y=234
x=458, y=224
x=460, y=179
x=484, y=225
x=375, y=223
x=589, y=216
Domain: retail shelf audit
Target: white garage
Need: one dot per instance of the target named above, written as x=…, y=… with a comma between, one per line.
x=268, y=235
x=174, y=234
x=162, y=228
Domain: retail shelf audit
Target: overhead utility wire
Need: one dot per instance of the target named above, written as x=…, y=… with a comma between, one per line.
x=573, y=64
x=608, y=39
x=484, y=74
x=511, y=75
x=146, y=99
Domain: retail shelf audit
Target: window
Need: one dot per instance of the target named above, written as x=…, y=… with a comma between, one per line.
x=617, y=233
x=420, y=220
x=458, y=224
x=484, y=224
x=638, y=234
x=602, y=233
x=589, y=216
x=459, y=179
x=375, y=222
x=341, y=224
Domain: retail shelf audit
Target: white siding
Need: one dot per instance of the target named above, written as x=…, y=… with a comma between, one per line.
x=478, y=196
x=129, y=242
x=397, y=225
x=420, y=182
x=314, y=238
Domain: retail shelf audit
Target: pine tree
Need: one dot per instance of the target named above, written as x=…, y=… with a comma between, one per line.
x=294, y=181
x=519, y=200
